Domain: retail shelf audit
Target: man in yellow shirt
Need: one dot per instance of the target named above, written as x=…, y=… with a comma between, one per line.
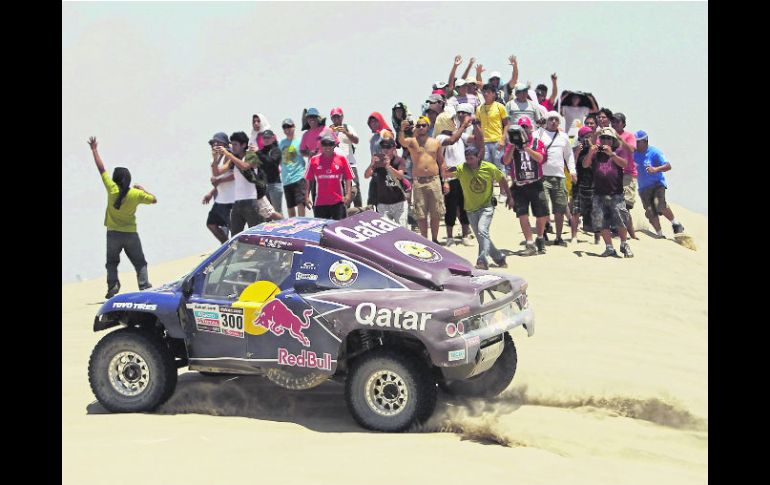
x=120, y=220
x=494, y=119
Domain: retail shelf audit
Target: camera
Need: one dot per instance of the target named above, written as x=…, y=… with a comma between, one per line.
x=517, y=136
x=409, y=130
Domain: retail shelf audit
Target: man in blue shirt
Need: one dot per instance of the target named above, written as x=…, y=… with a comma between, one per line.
x=650, y=164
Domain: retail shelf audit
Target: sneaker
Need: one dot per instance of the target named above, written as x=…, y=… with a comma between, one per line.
x=440, y=243
x=540, y=244
x=466, y=241
x=559, y=242
x=145, y=287
x=548, y=228
x=626, y=250
x=529, y=250
x=609, y=252
x=449, y=241
x=501, y=263
x=113, y=291
x=677, y=228
x=482, y=265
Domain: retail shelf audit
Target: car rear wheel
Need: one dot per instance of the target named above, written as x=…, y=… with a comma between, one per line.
x=389, y=390
x=131, y=371
x=493, y=381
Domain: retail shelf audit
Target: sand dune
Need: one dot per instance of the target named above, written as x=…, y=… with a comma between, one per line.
x=612, y=389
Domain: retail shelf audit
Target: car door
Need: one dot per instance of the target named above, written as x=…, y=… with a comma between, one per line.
x=218, y=316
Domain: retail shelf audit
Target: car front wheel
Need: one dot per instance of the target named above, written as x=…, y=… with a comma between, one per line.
x=131, y=371
x=389, y=390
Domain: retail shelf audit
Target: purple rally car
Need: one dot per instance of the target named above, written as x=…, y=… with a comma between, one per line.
x=304, y=300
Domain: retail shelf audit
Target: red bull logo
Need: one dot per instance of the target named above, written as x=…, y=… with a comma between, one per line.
x=277, y=317
x=306, y=358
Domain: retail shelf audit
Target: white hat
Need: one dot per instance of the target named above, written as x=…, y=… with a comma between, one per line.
x=495, y=74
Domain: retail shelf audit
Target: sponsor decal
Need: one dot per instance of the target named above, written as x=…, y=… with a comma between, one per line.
x=306, y=358
x=127, y=305
x=275, y=243
x=369, y=314
x=206, y=317
x=456, y=355
x=463, y=310
x=365, y=230
x=231, y=321
x=486, y=278
x=305, y=276
x=278, y=318
x=288, y=226
x=308, y=266
x=419, y=251
x=343, y=273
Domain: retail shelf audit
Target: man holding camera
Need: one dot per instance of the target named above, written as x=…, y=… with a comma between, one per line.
x=609, y=206
x=387, y=168
x=218, y=220
x=428, y=168
x=524, y=157
x=559, y=153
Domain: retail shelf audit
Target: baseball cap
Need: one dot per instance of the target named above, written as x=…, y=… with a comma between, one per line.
x=387, y=142
x=220, y=137
x=641, y=135
x=287, y=122
x=440, y=92
x=434, y=98
x=470, y=80
x=464, y=108
x=336, y=111
x=552, y=114
x=619, y=117
x=267, y=133
x=460, y=82
x=312, y=112
x=610, y=132
x=520, y=87
x=585, y=130
x=525, y=121
x=327, y=138
x=439, y=85
x=495, y=74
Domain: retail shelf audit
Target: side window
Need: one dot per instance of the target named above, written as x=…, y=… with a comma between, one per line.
x=241, y=266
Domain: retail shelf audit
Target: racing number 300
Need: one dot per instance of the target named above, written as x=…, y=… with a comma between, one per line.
x=232, y=321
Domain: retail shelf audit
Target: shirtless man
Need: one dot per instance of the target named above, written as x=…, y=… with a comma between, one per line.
x=428, y=171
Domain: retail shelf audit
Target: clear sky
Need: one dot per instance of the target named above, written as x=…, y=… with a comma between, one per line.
x=154, y=81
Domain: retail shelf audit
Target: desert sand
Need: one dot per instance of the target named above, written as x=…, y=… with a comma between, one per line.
x=611, y=389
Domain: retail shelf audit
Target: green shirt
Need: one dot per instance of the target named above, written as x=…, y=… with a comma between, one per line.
x=123, y=219
x=477, y=184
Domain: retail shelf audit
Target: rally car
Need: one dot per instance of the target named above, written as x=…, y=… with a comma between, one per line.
x=302, y=300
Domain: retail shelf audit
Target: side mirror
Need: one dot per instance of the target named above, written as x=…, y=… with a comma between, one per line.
x=187, y=286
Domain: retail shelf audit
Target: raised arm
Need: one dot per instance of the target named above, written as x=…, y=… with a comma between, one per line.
x=515, y=74
x=457, y=133
x=479, y=70
x=554, y=90
x=468, y=69
x=95, y=152
x=243, y=165
x=402, y=139
x=139, y=187
x=451, y=84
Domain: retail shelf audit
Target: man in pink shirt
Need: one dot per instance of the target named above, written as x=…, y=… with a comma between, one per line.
x=626, y=151
x=309, y=147
x=328, y=169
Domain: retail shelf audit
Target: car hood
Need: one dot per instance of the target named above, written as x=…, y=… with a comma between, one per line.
x=395, y=248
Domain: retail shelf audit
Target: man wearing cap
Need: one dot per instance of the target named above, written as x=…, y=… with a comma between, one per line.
x=270, y=156
x=436, y=105
x=476, y=178
x=651, y=163
x=347, y=138
x=218, y=220
x=293, y=171
x=309, y=145
x=524, y=157
x=608, y=204
x=493, y=119
x=428, y=168
x=453, y=142
x=328, y=169
x=559, y=153
x=626, y=150
x=463, y=96
x=521, y=105
x=387, y=170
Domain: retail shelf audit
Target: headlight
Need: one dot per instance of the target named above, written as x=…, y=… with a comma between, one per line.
x=497, y=317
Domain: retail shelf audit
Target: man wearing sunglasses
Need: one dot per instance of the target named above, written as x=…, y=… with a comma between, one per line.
x=428, y=171
x=328, y=169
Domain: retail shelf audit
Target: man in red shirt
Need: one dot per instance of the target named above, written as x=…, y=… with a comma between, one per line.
x=328, y=169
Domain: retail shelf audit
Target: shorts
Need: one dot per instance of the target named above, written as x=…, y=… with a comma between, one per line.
x=629, y=190
x=529, y=194
x=556, y=191
x=264, y=207
x=609, y=210
x=428, y=197
x=582, y=200
x=295, y=193
x=219, y=215
x=336, y=212
x=653, y=200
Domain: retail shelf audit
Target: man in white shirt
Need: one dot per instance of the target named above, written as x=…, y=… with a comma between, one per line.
x=347, y=137
x=559, y=153
x=218, y=220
